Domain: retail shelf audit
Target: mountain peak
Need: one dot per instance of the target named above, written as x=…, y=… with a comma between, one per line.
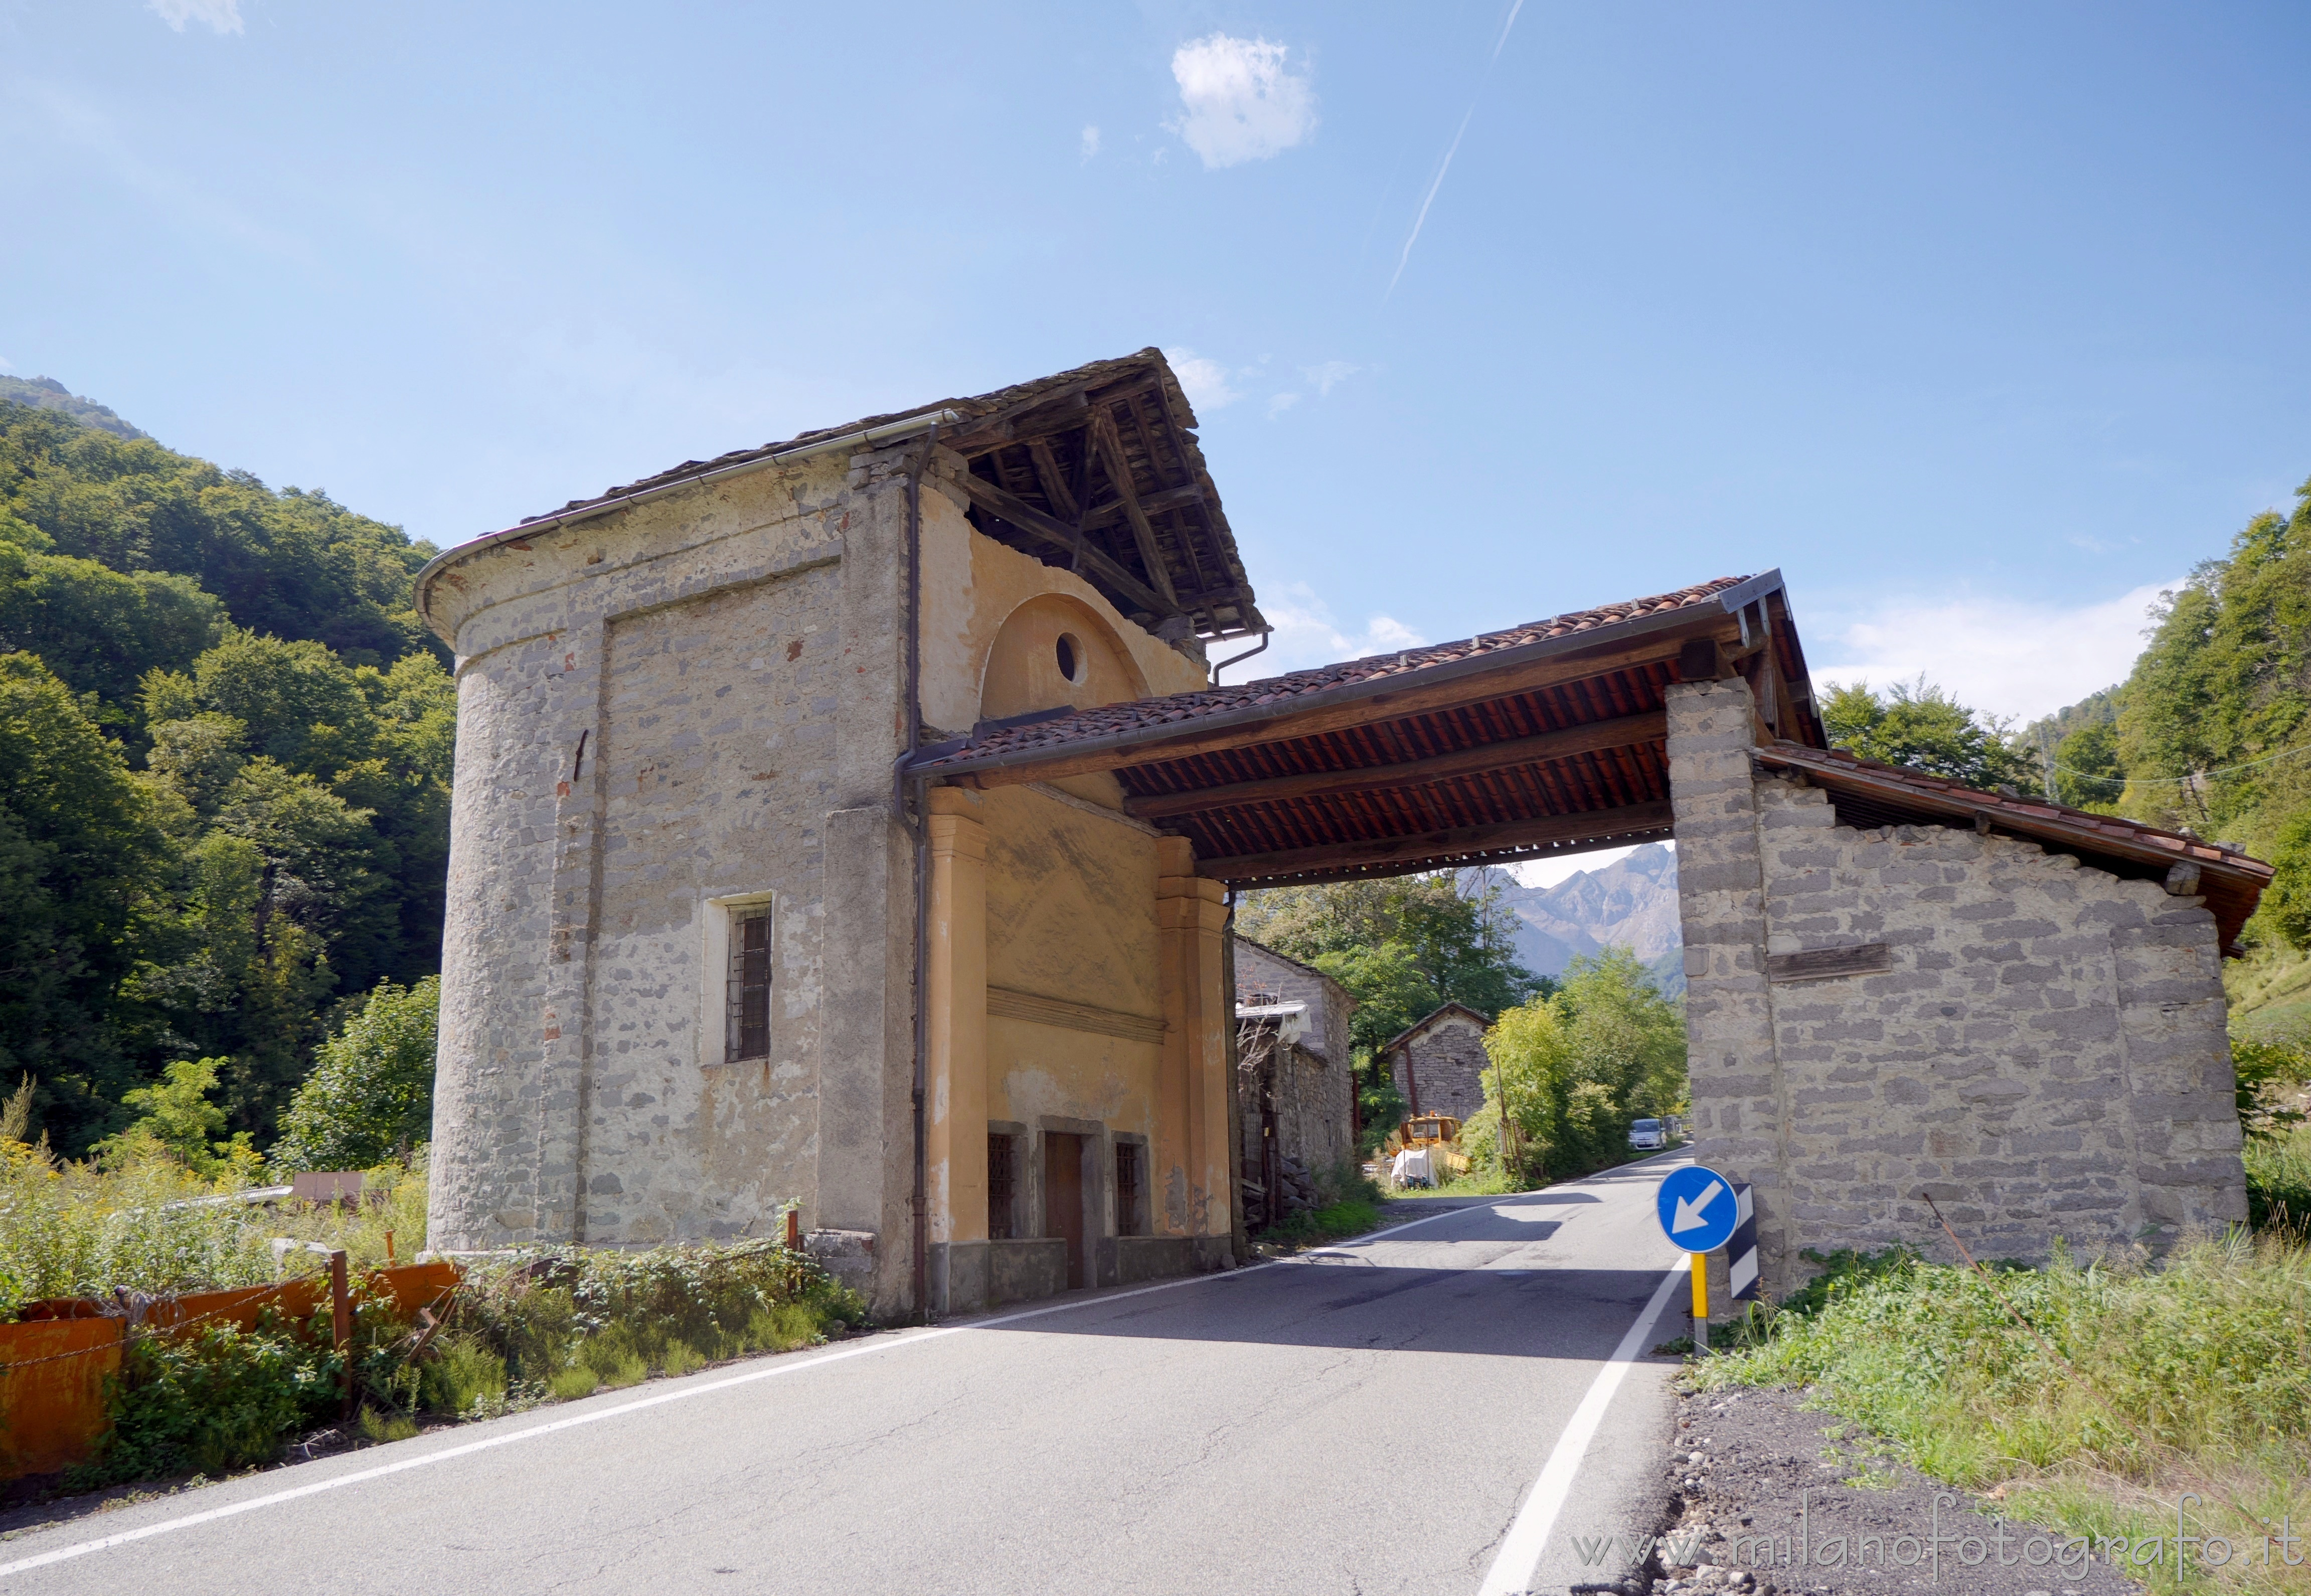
x=46, y=393
x=1631, y=902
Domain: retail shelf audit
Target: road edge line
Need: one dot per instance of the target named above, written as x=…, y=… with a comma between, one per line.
x=531, y=1432
x=1511, y=1574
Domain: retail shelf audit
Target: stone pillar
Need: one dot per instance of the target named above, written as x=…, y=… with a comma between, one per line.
x=1739, y=1112
x=955, y=998
x=1192, y=1099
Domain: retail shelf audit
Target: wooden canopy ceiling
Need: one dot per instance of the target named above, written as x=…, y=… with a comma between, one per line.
x=1545, y=739
x=1098, y=470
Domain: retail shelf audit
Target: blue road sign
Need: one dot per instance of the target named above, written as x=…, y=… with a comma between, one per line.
x=1698, y=1209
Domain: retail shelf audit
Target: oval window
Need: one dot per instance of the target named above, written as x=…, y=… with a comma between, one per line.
x=1070, y=658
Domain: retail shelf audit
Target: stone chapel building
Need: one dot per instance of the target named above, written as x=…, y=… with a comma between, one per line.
x=852, y=823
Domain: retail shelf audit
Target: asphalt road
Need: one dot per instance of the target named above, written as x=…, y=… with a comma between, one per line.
x=1369, y=1419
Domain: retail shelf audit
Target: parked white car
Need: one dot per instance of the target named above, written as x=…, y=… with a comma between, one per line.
x=1647, y=1136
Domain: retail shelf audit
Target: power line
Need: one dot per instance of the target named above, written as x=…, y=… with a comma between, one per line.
x=2182, y=780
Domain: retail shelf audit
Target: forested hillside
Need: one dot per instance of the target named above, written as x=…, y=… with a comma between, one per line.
x=2211, y=733
x=225, y=750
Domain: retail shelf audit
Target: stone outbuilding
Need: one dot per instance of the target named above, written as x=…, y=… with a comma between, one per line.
x=1438, y=1062
x=1296, y=1077
x=1900, y=990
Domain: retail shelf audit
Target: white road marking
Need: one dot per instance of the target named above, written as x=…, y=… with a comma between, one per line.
x=1528, y=1537
x=785, y=1365
x=682, y=1393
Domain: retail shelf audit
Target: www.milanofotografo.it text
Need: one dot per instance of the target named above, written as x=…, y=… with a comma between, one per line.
x=1798, y=1547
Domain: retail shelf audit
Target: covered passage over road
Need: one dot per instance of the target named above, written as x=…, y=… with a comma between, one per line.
x=1547, y=739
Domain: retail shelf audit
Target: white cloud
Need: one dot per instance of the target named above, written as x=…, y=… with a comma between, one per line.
x=1241, y=104
x=223, y=15
x=1307, y=633
x=1329, y=376
x=1090, y=144
x=1205, y=382
x=1280, y=403
x=6, y=364
x=2000, y=657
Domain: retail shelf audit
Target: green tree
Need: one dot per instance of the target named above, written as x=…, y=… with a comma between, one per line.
x=174, y=1117
x=79, y=846
x=371, y=1095
x=2087, y=767
x=1918, y=725
x=293, y=564
x=1403, y=947
x=1571, y=1069
x=257, y=651
x=1624, y=1034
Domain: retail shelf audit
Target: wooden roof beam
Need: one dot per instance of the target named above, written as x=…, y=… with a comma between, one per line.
x=1110, y=443
x=1443, y=847
x=1153, y=504
x=1593, y=737
x=1009, y=507
x=1054, y=482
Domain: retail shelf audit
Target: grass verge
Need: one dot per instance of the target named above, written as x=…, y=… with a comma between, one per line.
x=534, y=1328
x=2188, y=1376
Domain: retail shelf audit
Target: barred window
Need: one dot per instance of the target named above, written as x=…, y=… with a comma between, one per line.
x=749, y=1002
x=1000, y=1188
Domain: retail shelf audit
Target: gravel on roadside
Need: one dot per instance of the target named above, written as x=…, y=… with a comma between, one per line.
x=1766, y=1499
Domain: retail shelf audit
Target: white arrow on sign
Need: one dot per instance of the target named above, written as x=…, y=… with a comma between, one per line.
x=1688, y=1214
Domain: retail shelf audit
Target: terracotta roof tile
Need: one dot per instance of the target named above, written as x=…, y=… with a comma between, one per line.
x=2027, y=815
x=1117, y=719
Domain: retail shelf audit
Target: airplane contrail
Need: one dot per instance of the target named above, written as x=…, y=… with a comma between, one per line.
x=1414, y=236
x=1428, y=199
x=1503, y=39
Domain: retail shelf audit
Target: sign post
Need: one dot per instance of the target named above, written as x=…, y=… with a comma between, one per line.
x=1701, y=1211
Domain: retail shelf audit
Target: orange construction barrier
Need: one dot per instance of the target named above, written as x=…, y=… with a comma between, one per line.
x=54, y=1360
x=52, y=1392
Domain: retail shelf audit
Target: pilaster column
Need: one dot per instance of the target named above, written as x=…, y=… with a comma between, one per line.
x=955, y=997
x=574, y=692
x=1191, y=1098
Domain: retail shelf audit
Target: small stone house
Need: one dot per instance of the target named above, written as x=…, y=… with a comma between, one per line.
x=1295, y=1078
x=1438, y=1062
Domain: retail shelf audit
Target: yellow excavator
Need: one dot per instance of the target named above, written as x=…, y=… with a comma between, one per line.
x=1424, y=1151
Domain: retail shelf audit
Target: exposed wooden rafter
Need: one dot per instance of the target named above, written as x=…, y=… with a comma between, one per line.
x=1007, y=506
x=1119, y=477
x=1598, y=825
x=1591, y=737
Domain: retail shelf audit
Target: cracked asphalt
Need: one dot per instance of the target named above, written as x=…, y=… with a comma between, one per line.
x=1366, y=1420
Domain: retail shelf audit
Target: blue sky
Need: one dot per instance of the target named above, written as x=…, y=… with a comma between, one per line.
x=1980, y=321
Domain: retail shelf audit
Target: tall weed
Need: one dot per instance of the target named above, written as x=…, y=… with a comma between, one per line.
x=2190, y=1373
x=73, y=1229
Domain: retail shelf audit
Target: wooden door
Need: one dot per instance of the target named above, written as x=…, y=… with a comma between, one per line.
x=1063, y=1198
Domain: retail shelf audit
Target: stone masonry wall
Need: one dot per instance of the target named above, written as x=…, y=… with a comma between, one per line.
x=1316, y=1077
x=2045, y=1058
x=1448, y=1066
x=688, y=699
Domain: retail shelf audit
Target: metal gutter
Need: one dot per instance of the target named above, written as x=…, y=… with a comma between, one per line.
x=905, y=428
x=1376, y=687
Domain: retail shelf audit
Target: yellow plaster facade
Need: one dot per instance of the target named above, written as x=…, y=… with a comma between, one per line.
x=1075, y=1010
